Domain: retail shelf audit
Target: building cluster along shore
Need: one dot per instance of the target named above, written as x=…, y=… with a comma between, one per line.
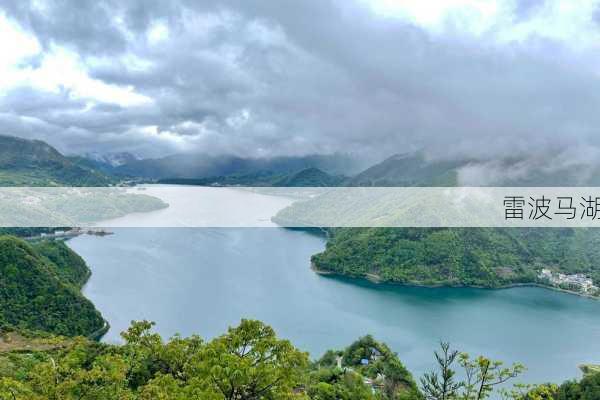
x=576, y=282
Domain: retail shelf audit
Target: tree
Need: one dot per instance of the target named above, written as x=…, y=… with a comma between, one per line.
x=482, y=375
x=586, y=389
x=249, y=362
x=441, y=386
x=530, y=392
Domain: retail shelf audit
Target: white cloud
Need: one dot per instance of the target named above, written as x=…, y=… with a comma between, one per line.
x=58, y=69
x=564, y=20
x=15, y=46
x=157, y=33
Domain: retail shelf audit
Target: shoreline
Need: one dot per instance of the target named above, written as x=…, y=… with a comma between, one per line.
x=375, y=279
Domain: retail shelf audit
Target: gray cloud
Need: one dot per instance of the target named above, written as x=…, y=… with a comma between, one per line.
x=290, y=77
x=525, y=8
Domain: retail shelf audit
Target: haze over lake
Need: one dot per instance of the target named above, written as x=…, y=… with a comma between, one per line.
x=201, y=280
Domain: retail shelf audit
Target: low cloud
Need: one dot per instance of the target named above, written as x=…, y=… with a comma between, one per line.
x=261, y=78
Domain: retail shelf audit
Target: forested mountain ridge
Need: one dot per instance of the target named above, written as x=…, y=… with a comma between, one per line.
x=40, y=289
x=202, y=166
x=416, y=169
x=408, y=170
x=459, y=256
x=36, y=163
x=309, y=177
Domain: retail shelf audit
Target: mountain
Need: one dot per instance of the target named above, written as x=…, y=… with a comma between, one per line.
x=414, y=169
x=113, y=159
x=36, y=163
x=194, y=166
x=310, y=177
x=488, y=257
x=409, y=170
x=40, y=289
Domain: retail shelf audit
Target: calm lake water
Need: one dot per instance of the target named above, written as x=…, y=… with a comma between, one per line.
x=201, y=280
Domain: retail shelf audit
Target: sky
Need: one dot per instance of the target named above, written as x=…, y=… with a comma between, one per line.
x=460, y=78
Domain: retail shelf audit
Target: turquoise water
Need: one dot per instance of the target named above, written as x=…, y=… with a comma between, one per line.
x=203, y=280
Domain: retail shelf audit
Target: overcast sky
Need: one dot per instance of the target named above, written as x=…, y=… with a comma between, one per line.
x=255, y=77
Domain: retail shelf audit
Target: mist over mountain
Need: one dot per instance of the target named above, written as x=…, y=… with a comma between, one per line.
x=416, y=169
x=113, y=159
x=195, y=166
x=256, y=79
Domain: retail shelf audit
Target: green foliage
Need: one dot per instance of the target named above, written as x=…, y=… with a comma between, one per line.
x=586, y=389
x=248, y=362
x=488, y=257
x=383, y=369
x=442, y=385
x=335, y=384
x=64, y=262
x=39, y=289
x=480, y=376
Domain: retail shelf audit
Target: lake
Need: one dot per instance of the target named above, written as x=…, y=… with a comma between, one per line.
x=201, y=280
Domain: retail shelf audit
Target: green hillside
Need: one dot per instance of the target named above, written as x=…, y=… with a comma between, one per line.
x=452, y=256
x=312, y=177
x=203, y=166
x=35, y=163
x=409, y=170
x=248, y=362
x=488, y=257
x=39, y=289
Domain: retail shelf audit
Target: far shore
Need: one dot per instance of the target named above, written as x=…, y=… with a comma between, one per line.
x=376, y=279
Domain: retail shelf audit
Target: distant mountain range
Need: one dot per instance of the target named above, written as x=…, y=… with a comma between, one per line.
x=198, y=166
x=308, y=177
x=35, y=163
x=113, y=159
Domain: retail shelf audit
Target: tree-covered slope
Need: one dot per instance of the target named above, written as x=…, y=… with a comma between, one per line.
x=35, y=163
x=310, y=177
x=39, y=289
x=64, y=262
x=409, y=170
x=202, y=166
x=452, y=256
x=487, y=257
x=248, y=362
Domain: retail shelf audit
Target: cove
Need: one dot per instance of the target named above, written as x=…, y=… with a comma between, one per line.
x=202, y=280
